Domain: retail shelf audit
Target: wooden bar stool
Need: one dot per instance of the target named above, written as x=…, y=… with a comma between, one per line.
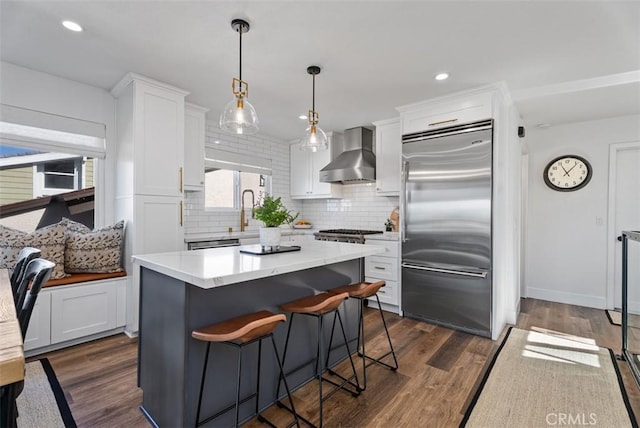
x=240, y=332
x=362, y=291
x=318, y=306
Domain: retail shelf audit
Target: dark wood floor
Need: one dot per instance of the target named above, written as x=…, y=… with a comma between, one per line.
x=439, y=372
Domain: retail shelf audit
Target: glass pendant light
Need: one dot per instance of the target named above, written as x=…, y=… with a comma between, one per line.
x=239, y=116
x=314, y=138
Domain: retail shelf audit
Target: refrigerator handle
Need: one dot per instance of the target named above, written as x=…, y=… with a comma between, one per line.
x=403, y=200
x=447, y=271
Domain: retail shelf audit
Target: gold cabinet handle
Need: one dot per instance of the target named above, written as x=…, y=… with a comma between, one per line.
x=443, y=122
x=181, y=214
x=181, y=179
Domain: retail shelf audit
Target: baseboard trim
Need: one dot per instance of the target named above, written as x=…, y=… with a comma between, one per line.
x=131, y=334
x=68, y=343
x=567, y=298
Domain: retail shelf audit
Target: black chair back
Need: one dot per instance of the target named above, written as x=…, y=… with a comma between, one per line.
x=24, y=257
x=37, y=273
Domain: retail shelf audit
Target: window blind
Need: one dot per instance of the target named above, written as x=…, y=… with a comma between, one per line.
x=220, y=159
x=50, y=132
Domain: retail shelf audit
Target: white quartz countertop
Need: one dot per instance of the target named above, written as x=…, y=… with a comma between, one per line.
x=215, y=267
x=197, y=237
x=386, y=236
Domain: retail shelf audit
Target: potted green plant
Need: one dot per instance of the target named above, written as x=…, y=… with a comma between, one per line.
x=272, y=213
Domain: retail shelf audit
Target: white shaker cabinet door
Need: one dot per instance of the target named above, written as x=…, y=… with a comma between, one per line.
x=194, y=140
x=300, y=174
x=159, y=146
x=388, y=157
x=158, y=225
x=82, y=311
x=39, y=331
x=318, y=161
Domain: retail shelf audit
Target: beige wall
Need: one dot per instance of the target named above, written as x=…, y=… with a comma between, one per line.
x=16, y=185
x=88, y=173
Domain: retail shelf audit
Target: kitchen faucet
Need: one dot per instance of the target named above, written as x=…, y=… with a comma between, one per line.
x=244, y=223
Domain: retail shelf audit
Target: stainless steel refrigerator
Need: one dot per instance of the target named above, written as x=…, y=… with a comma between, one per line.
x=446, y=226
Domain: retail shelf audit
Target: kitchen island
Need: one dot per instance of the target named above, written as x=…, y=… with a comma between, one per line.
x=182, y=291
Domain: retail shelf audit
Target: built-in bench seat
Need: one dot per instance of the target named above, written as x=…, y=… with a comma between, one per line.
x=76, y=309
x=76, y=278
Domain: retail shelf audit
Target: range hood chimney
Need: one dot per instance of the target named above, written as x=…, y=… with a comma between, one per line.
x=356, y=164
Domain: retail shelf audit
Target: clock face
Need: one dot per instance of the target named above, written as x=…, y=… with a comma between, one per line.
x=567, y=173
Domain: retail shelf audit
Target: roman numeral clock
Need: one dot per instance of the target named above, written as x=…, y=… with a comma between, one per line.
x=567, y=173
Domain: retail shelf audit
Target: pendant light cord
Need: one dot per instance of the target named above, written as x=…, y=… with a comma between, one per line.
x=240, y=73
x=313, y=97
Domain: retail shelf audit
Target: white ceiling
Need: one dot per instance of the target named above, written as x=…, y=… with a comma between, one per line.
x=375, y=55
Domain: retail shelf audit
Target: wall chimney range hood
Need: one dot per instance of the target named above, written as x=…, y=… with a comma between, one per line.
x=356, y=164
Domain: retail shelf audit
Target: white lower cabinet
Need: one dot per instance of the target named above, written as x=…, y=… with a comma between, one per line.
x=39, y=332
x=72, y=312
x=385, y=266
x=82, y=311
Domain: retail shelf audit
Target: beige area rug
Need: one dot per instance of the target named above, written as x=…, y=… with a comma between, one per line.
x=544, y=378
x=42, y=403
x=615, y=318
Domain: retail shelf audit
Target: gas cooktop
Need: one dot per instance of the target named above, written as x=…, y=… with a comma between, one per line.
x=350, y=231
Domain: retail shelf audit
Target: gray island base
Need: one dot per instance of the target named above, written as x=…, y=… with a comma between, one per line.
x=170, y=360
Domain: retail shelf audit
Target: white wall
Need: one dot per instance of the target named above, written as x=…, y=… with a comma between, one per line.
x=200, y=221
x=29, y=89
x=566, y=236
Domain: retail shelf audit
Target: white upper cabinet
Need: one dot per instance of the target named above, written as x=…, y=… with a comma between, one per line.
x=194, y=140
x=305, y=169
x=151, y=131
x=388, y=157
x=449, y=111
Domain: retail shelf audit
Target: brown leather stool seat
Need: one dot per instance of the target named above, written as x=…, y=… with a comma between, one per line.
x=239, y=332
x=362, y=291
x=319, y=306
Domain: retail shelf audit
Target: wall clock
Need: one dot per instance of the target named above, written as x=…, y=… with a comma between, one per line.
x=567, y=173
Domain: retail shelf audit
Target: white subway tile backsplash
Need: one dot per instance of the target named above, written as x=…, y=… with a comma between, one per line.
x=359, y=208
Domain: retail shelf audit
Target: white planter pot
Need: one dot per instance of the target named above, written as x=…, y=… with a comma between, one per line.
x=270, y=237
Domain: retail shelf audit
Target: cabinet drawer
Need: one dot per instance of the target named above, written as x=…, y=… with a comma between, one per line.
x=391, y=247
x=387, y=294
x=450, y=113
x=381, y=267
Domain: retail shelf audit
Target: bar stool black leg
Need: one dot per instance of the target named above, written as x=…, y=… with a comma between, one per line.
x=204, y=373
x=238, y=386
x=361, y=338
x=384, y=323
x=319, y=365
x=258, y=382
x=284, y=355
x=286, y=387
x=357, y=386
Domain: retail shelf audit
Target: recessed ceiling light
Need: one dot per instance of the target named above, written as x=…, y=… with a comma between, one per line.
x=73, y=26
x=442, y=76
x=303, y=117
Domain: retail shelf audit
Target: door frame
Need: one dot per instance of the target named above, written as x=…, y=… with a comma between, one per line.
x=614, y=148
